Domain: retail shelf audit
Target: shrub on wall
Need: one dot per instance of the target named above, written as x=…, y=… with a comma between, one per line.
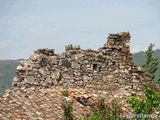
x=148, y=103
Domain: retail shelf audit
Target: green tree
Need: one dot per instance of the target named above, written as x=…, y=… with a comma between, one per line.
x=151, y=63
x=147, y=103
x=159, y=79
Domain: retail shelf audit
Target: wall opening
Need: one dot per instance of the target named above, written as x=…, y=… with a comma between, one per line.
x=95, y=67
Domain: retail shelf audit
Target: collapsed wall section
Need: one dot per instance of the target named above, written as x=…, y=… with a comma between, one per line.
x=109, y=67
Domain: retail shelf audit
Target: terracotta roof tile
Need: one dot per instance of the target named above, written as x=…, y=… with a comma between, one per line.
x=46, y=103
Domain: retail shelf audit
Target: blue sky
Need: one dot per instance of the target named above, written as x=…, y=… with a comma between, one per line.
x=26, y=25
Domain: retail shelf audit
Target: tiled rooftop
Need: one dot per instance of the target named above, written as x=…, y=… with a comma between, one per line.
x=45, y=104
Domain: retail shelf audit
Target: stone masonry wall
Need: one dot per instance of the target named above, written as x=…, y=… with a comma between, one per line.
x=109, y=67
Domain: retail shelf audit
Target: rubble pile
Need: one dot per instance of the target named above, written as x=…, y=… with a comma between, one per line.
x=108, y=68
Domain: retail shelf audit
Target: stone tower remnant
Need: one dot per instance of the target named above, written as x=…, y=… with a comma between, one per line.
x=108, y=68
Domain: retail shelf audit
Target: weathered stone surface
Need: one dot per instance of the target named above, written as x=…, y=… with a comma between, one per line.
x=6, y=94
x=110, y=77
x=53, y=60
x=19, y=68
x=55, y=75
x=108, y=68
x=42, y=71
x=77, y=47
x=61, y=82
x=75, y=65
x=15, y=79
x=140, y=69
x=86, y=78
x=69, y=47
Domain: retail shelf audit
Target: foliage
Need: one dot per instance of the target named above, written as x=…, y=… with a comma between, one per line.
x=151, y=63
x=159, y=79
x=139, y=58
x=102, y=111
x=7, y=72
x=68, y=109
x=148, y=103
x=65, y=93
x=99, y=111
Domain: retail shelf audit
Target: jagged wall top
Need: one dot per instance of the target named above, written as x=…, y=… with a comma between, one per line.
x=109, y=67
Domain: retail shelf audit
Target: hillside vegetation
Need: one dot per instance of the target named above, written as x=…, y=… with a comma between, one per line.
x=7, y=72
x=139, y=58
x=8, y=68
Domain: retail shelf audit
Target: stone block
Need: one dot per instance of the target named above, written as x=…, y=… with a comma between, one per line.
x=55, y=75
x=69, y=47
x=75, y=65
x=53, y=60
x=77, y=47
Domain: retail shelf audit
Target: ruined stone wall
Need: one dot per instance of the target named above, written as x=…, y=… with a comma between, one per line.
x=109, y=67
